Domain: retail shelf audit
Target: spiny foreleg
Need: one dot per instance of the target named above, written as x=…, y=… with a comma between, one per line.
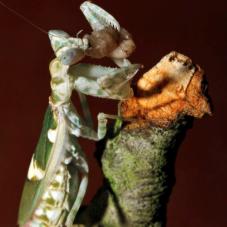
x=103, y=82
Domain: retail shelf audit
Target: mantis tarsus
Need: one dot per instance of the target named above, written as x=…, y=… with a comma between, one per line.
x=58, y=174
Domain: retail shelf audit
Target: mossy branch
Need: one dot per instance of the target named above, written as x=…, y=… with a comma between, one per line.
x=138, y=163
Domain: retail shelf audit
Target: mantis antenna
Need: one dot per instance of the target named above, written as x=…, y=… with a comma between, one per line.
x=23, y=18
x=28, y=21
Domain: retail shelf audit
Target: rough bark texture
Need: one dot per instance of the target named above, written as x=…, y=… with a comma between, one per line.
x=139, y=168
x=138, y=162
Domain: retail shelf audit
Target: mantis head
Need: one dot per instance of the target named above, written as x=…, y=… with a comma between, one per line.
x=97, y=17
x=67, y=49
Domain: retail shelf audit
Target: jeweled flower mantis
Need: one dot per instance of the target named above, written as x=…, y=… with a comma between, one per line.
x=58, y=173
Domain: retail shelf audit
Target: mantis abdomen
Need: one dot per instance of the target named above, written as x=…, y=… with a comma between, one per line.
x=54, y=205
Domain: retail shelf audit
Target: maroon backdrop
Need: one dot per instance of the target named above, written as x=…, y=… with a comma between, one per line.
x=196, y=28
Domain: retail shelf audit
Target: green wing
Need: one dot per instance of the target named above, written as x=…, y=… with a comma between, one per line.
x=44, y=146
x=32, y=189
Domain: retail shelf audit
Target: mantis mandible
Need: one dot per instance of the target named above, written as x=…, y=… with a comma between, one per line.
x=58, y=173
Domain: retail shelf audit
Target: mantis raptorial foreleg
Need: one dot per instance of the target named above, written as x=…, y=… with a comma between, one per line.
x=121, y=62
x=108, y=39
x=103, y=82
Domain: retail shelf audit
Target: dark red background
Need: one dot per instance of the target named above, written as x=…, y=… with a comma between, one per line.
x=195, y=28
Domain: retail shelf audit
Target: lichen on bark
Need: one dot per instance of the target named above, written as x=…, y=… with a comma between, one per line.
x=138, y=165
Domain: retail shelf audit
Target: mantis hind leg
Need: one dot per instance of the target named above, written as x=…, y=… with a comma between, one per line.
x=86, y=109
x=82, y=165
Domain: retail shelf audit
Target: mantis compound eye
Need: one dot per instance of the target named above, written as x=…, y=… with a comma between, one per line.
x=70, y=55
x=65, y=48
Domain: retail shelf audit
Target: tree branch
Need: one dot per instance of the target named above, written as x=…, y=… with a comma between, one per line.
x=138, y=163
